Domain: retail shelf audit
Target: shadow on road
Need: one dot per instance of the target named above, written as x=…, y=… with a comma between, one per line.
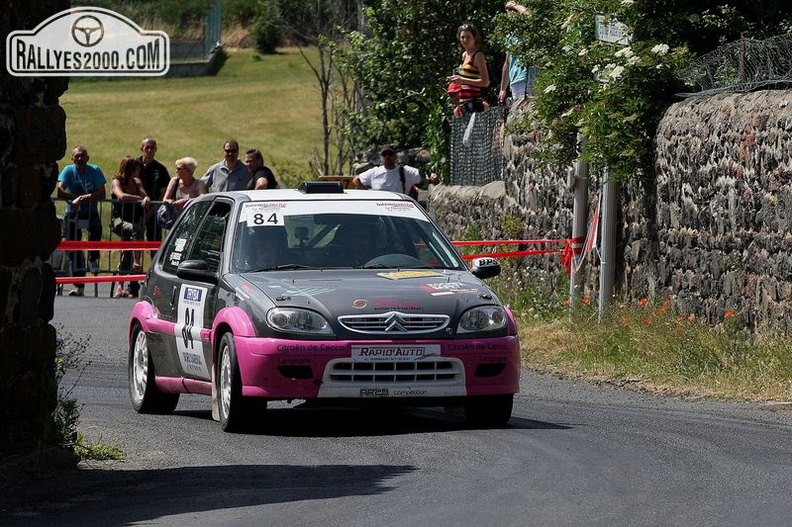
x=111, y=497
x=355, y=422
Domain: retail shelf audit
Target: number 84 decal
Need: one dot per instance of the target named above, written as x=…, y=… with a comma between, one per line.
x=192, y=304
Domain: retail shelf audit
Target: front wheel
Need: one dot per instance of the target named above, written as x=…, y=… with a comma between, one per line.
x=146, y=397
x=235, y=410
x=489, y=411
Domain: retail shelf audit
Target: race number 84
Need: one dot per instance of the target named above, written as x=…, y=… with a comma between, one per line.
x=189, y=322
x=259, y=219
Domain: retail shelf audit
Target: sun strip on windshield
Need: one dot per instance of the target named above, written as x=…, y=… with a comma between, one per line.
x=271, y=213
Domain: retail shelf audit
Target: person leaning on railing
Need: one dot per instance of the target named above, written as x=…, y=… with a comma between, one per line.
x=184, y=186
x=127, y=219
x=81, y=185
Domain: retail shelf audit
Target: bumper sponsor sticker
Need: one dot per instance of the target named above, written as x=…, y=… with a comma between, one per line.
x=394, y=353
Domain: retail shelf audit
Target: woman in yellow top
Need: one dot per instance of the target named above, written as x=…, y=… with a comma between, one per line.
x=472, y=74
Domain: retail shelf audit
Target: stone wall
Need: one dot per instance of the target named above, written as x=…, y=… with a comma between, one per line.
x=32, y=137
x=725, y=205
x=712, y=234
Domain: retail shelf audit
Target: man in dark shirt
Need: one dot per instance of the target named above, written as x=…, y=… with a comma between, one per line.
x=155, y=180
x=261, y=177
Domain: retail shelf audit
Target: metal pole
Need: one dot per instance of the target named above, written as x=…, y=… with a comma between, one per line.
x=579, y=185
x=608, y=248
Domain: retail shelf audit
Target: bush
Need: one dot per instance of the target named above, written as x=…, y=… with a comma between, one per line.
x=265, y=31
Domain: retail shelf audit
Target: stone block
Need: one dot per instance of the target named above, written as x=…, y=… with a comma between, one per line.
x=40, y=135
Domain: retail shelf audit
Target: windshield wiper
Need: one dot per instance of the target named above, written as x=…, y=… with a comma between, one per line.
x=382, y=266
x=292, y=266
x=283, y=267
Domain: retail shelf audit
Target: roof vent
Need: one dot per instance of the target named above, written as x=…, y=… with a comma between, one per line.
x=321, y=187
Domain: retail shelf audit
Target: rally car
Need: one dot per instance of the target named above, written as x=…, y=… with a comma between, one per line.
x=331, y=296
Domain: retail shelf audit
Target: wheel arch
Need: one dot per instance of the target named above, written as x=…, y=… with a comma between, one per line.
x=218, y=331
x=141, y=313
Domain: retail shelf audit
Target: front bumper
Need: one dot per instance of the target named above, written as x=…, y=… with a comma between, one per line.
x=298, y=369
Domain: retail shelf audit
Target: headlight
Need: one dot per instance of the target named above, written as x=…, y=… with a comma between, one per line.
x=296, y=320
x=483, y=318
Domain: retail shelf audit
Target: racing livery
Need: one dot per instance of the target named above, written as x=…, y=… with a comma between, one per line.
x=338, y=297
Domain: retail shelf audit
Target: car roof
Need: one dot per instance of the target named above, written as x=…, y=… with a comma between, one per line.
x=296, y=195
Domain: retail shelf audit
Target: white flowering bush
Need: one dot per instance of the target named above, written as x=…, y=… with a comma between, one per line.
x=615, y=93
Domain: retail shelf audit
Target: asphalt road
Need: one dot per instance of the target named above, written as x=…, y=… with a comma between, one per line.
x=574, y=454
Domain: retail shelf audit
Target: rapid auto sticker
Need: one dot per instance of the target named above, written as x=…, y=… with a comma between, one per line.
x=398, y=275
x=190, y=307
x=394, y=353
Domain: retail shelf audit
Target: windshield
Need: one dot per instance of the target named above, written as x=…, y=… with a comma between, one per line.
x=288, y=235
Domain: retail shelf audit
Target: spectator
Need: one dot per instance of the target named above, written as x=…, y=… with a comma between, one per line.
x=472, y=74
x=82, y=184
x=389, y=175
x=155, y=180
x=513, y=75
x=229, y=174
x=184, y=186
x=261, y=177
x=130, y=202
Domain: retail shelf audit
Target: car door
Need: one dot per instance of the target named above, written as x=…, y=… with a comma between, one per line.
x=162, y=286
x=187, y=306
x=196, y=301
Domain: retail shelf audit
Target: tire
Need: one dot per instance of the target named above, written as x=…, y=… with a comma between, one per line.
x=489, y=411
x=146, y=397
x=236, y=412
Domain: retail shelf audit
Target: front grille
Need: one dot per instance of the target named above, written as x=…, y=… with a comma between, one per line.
x=394, y=322
x=395, y=372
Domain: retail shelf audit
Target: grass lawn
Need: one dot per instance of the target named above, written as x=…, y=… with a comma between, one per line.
x=270, y=102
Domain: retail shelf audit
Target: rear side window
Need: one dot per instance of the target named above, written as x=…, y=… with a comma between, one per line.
x=209, y=242
x=182, y=237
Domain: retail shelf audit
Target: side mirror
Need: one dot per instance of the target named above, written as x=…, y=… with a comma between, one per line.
x=485, y=267
x=196, y=270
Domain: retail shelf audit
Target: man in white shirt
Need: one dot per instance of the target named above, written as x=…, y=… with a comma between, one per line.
x=387, y=176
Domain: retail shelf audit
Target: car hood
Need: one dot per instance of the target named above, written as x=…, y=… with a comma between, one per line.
x=361, y=291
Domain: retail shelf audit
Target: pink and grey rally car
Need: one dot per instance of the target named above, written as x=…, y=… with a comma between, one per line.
x=333, y=296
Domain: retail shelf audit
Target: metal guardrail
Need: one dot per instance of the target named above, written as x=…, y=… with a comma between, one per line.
x=68, y=269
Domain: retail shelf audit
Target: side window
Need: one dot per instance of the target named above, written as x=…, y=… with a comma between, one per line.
x=182, y=237
x=209, y=240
